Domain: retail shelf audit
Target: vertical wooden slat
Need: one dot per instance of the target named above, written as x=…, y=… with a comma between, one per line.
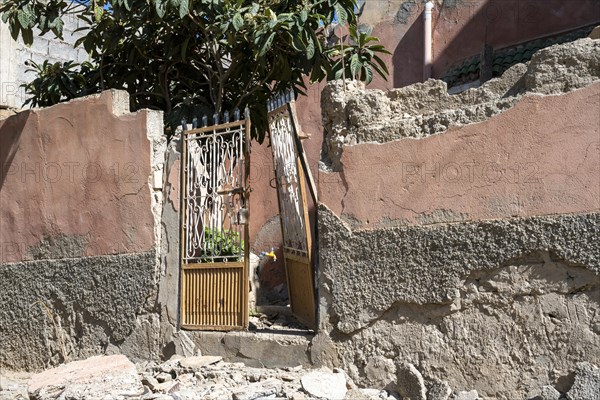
x=228, y=320
x=197, y=300
x=231, y=291
x=219, y=297
x=202, y=294
x=191, y=285
x=211, y=315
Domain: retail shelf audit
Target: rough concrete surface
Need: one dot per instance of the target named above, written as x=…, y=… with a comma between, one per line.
x=504, y=307
x=586, y=384
x=176, y=342
x=54, y=311
x=352, y=114
x=265, y=349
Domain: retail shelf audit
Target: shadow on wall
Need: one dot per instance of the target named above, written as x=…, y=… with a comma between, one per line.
x=10, y=136
x=502, y=23
x=462, y=28
x=407, y=58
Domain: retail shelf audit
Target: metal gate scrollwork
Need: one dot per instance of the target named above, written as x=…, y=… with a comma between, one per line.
x=290, y=182
x=214, y=283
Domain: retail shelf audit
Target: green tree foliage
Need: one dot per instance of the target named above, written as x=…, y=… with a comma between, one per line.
x=360, y=57
x=192, y=57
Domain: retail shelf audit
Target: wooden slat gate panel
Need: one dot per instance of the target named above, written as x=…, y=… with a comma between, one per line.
x=214, y=234
x=293, y=211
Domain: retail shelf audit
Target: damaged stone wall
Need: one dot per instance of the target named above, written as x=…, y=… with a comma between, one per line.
x=353, y=115
x=460, y=234
x=81, y=195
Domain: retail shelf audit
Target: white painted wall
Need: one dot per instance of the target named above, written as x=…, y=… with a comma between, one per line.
x=14, y=54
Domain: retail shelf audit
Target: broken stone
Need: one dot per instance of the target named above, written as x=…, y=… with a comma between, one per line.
x=439, y=391
x=550, y=393
x=288, y=378
x=197, y=362
x=167, y=387
x=298, y=396
x=156, y=396
x=150, y=382
x=410, y=383
x=324, y=384
x=356, y=394
x=168, y=367
x=185, y=378
x=99, y=377
x=472, y=395
x=587, y=383
x=258, y=390
x=380, y=372
x=164, y=377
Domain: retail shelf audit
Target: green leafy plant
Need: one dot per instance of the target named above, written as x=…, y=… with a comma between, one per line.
x=56, y=82
x=360, y=57
x=221, y=245
x=191, y=57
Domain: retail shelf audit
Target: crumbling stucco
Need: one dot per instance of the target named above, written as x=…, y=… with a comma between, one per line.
x=59, y=310
x=503, y=306
x=80, y=260
x=368, y=271
x=352, y=114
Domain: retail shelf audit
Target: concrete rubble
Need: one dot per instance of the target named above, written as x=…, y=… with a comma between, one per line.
x=210, y=378
x=99, y=377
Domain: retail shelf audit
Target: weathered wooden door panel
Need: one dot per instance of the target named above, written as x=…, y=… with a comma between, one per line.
x=214, y=235
x=301, y=290
x=293, y=211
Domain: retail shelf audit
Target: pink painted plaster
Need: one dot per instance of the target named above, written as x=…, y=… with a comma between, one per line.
x=75, y=173
x=540, y=157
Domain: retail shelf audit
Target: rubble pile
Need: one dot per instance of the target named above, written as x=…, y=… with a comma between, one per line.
x=210, y=378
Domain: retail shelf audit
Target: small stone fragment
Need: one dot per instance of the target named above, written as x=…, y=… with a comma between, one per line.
x=356, y=394
x=472, y=395
x=550, y=393
x=288, y=378
x=325, y=384
x=166, y=387
x=439, y=391
x=150, y=382
x=410, y=383
x=164, y=377
x=197, y=362
x=257, y=390
x=587, y=383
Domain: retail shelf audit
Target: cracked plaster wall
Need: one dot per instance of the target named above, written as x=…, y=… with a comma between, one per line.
x=504, y=307
x=461, y=233
x=80, y=226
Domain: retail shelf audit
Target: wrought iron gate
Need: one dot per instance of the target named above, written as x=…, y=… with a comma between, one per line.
x=214, y=235
x=293, y=211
